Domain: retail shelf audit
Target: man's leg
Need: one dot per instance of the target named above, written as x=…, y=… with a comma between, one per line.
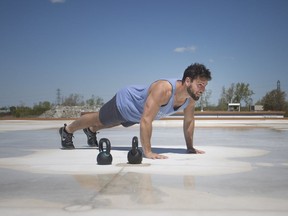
x=91, y=133
x=109, y=115
x=84, y=122
x=89, y=120
x=91, y=123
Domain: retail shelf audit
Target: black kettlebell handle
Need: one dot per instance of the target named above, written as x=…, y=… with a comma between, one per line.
x=104, y=157
x=108, y=145
x=134, y=150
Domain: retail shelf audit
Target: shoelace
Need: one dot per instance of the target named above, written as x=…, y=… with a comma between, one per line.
x=68, y=138
x=92, y=135
x=94, y=138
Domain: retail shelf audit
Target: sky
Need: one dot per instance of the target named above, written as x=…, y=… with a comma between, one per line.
x=96, y=47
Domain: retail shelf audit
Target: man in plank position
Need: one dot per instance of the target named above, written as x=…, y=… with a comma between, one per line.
x=143, y=104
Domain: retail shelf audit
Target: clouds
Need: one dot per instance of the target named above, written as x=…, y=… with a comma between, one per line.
x=57, y=1
x=185, y=49
x=198, y=52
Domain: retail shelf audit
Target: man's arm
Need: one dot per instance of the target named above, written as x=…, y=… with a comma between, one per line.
x=159, y=94
x=188, y=128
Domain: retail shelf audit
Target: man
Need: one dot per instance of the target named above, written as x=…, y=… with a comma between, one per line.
x=137, y=104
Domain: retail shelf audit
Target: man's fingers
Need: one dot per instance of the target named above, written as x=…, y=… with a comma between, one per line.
x=200, y=151
x=161, y=156
x=155, y=156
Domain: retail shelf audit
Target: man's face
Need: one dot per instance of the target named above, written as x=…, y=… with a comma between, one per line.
x=196, y=87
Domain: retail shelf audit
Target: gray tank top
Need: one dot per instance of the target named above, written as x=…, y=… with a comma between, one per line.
x=131, y=100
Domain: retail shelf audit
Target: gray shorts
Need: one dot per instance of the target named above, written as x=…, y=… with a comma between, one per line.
x=109, y=115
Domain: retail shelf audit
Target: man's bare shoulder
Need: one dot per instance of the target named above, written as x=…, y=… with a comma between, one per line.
x=162, y=85
x=161, y=91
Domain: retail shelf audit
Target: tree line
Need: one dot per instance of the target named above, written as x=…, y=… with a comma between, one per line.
x=274, y=100
x=22, y=110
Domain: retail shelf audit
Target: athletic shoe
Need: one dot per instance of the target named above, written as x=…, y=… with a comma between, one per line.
x=66, y=138
x=91, y=137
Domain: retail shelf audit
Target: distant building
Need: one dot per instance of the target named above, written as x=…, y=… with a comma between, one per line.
x=234, y=107
x=257, y=108
x=6, y=110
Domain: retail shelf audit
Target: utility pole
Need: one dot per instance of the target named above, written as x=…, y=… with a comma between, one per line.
x=278, y=95
x=278, y=85
x=58, y=96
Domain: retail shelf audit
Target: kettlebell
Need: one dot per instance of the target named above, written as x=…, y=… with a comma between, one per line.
x=135, y=155
x=104, y=157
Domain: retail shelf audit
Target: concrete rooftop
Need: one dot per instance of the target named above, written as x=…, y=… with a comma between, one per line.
x=244, y=171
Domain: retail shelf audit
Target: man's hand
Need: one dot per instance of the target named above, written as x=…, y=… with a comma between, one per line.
x=152, y=155
x=195, y=151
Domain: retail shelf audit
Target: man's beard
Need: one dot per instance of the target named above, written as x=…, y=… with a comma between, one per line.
x=196, y=98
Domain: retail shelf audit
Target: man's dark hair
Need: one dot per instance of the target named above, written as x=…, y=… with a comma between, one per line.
x=196, y=70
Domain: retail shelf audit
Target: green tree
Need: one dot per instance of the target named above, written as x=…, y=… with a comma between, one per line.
x=274, y=100
x=73, y=100
x=226, y=97
x=236, y=93
x=22, y=111
x=204, y=99
x=41, y=107
x=95, y=101
x=99, y=101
